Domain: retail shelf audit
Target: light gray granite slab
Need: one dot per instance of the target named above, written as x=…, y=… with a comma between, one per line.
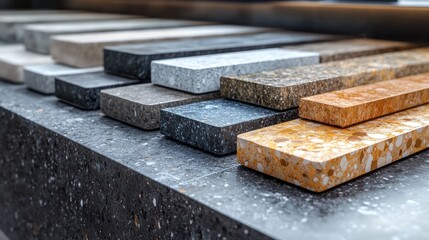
x=41, y=78
x=201, y=74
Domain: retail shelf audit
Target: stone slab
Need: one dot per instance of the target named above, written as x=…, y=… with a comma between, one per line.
x=201, y=74
x=213, y=125
x=350, y=106
x=14, y=59
x=41, y=78
x=83, y=90
x=351, y=48
x=86, y=50
x=318, y=157
x=138, y=57
x=287, y=86
x=37, y=37
x=140, y=105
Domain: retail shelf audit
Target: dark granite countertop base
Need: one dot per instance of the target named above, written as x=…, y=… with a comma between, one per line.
x=73, y=174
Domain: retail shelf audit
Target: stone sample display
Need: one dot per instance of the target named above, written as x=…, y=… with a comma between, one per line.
x=37, y=37
x=134, y=60
x=83, y=90
x=14, y=59
x=318, y=157
x=214, y=125
x=287, y=86
x=12, y=26
x=351, y=48
x=355, y=105
x=86, y=50
x=140, y=105
x=201, y=74
x=41, y=78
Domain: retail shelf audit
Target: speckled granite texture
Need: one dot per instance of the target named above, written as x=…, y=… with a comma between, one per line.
x=214, y=125
x=201, y=74
x=134, y=60
x=83, y=90
x=355, y=105
x=86, y=50
x=282, y=89
x=140, y=105
x=41, y=78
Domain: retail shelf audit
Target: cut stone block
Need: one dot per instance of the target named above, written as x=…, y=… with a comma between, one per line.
x=355, y=105
x=201, y=74
x=83, y=90
x=37, y=37
x=214, y=125
x=86, y=50
x=140, y=105
x=287, y=86
x=41, y=78
x=14, y=59
x=12, y=26
x=139, y=57
x=351, y=48
x=318, y=157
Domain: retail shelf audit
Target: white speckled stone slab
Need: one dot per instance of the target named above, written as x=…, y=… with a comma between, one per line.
x=201, y=74
x=41, y=78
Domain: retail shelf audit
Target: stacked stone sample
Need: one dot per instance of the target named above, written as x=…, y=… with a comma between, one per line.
x=282, y=89
x=41, y=78
x=201, y=74
x=214, y=125
x=86, y=50
x=140, y=105
x=83, y=90
x=134, y=60
x=355, y=105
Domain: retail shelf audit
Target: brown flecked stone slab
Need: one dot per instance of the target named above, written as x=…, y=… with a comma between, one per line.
x=86, y=50
x=355, y=105
x=351, y=48
x=281, y=89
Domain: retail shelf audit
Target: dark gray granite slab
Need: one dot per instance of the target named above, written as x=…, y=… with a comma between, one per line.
x=140, y=105
x=134, y=60
x=214, y=125
x=83, y=90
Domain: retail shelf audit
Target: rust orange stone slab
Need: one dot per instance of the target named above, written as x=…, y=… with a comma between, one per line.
x=344, y=108
x=318, y=157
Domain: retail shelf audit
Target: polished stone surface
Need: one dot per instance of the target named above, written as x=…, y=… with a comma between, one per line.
x=37, y=37
x=86, y=50
x=201, y=74
x=213, y=125
x=83, y=90
x=134, y=60
x=41, y=78
x=287, y=86
x=355, y=105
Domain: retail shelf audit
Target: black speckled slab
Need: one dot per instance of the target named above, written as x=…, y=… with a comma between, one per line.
x=83, y=90
x=214, y=125
x=134, y=60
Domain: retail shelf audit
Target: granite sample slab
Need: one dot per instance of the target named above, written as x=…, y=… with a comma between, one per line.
x=86, y=50
x=134, y=60
x=318, y=157
x=13, y=60
x=83, y=90
x=12, y=26
x=214, y=125
x=37, y=37
x=41, y=78
x=287, y=86
x=350, y=106
x=351, y=48
x=140, y=105
x=201, y=74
